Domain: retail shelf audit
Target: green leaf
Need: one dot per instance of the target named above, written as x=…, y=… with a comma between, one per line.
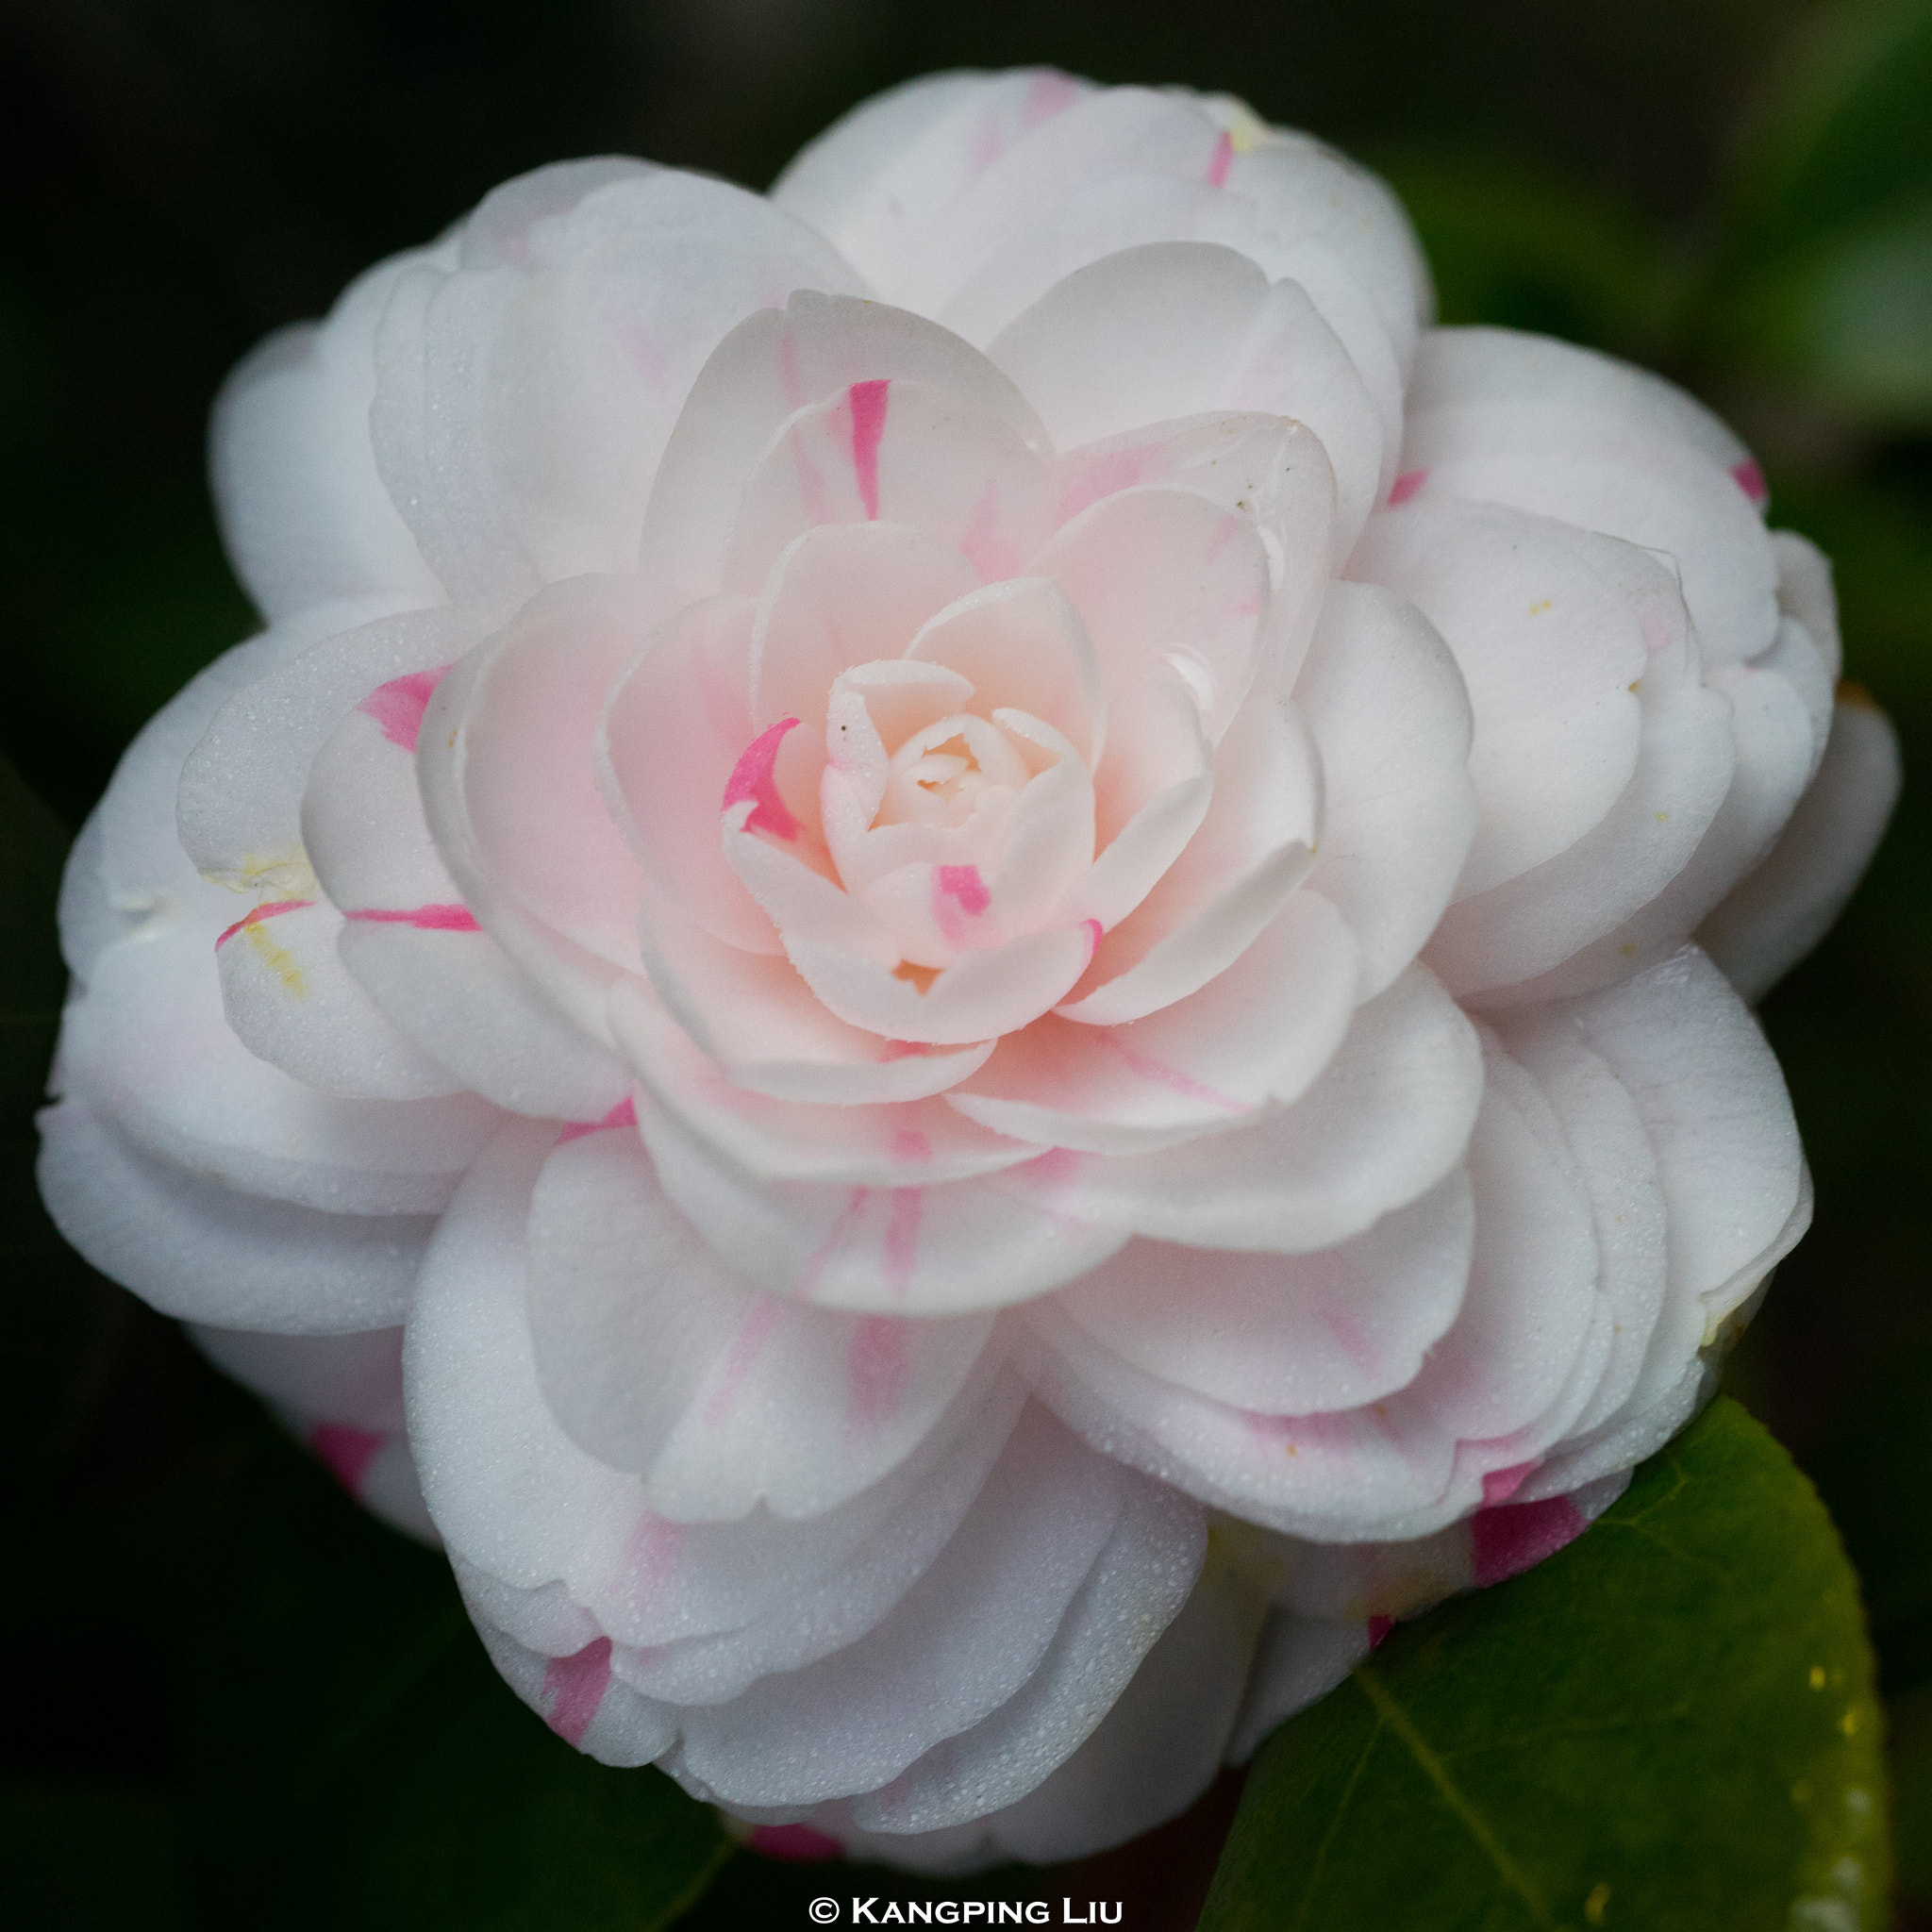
x=356, y=1760
x=1670, y=1724
x=1826, y=275
x=1529, y=248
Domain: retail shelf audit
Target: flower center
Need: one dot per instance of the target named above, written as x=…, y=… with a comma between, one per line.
x=942, y=774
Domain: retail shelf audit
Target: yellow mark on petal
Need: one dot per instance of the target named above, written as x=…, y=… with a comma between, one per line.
x=1817, y=1678
x=1849, y=1722
x=919, y=976
x=1663, y=818
x=1626, y=951
x=278, y=959
x=284, y=875
x=1637, y=684
x=1597, y=1903
x=1538, y=609
x=1245, y=127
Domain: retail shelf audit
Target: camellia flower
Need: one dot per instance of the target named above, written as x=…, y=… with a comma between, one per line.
x=993, y=942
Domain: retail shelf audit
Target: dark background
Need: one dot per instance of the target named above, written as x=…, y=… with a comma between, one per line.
x=1738, y=191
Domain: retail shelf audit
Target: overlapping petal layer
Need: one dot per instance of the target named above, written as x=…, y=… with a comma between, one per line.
x=965, y=1013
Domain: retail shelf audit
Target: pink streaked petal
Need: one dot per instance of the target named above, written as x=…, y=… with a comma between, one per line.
x=425, y=918
x=1515, y=1536
x=675, y=722
x=625, y=1114
x=979, y=998
x=1022, y=645
x=795, y=1844
x=1750, y=479
x=761, y=374
x=1405, y=486
x=346, y=1452
x=751, y=778
x=272, y=909
x=868, y=401
x=1379, y=1628
x=573, y=1687
x=398, y=706
x=876, y=1372
x=844, y=595
x=761, y=1024
x=1220, y=160
x=1499, y=1484
x=1163, y=575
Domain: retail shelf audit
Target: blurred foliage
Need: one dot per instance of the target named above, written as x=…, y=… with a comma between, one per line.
x=238, y=1699
x=1669, y=1724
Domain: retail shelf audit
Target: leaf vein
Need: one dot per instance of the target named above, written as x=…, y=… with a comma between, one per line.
x=1437, y=1773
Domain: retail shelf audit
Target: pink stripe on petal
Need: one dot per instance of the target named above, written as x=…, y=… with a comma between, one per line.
x=797, y=1844
x=1505, y=1541
x=1049, y=95
x=964, y=884
x=425, y=918
x=273, y=909
x=1086, y=481
x=746, y=1347
x=910, y=1144
x=399, y=705
x=1222, y=161
x=346, y=1452
x=874, y=1373
x=958, y=894
x=1094, y=936
x=625, y=1114
x=1750, y=479
x=981, y=543
x=1160, y=1074
x=1499, y=1484
x=1405, y=486
x=868, y=401
x=902, y=1239
x=573, y=1687
x=837, y=1236
x=751, y=778
x=1379, y=1628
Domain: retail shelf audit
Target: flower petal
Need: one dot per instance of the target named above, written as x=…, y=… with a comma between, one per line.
x=938, y=1249
x=768, y=368
x=1386, y=1119
x=1390, y=716
x=1263, y=1029
x=656, y=1359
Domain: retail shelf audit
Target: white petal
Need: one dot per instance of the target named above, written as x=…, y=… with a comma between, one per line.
x=196, y=1248
x=768, y=368
x=1287, y=1334
x=656, y=1359
x=1390, y=716
x=1261, y=1030
x=1387, y=1119
x=304, y=514
x=1547, y=651
x=1179, y=328
x=1781, y=910
x=913, y=1250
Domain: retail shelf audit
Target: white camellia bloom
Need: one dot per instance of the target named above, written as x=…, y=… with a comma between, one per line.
x=993, y=942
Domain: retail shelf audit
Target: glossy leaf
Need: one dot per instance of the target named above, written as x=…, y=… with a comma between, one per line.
x=1669, y=1725
x=1827, y=277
